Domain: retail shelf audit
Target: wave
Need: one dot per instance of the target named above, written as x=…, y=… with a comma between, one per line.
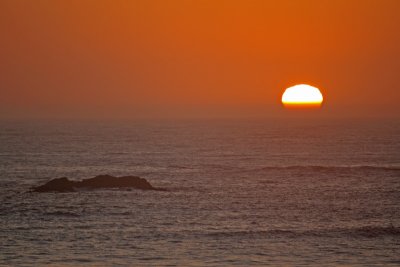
x=179, y=167
x=328, y=167
x=373, y=231
x=61, y=214
x=393, y=168
x=360, y=232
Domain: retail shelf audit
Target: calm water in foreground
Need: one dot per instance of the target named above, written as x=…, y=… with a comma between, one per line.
x=260, y=192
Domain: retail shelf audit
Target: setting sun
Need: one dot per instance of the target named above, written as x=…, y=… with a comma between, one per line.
x=302, y=96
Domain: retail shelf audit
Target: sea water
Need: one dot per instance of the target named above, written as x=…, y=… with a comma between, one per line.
x=239, y=192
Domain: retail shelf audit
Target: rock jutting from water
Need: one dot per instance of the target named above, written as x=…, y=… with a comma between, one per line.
x=98, y=182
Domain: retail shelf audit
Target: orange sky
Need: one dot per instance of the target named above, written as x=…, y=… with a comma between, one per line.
x=156, y=58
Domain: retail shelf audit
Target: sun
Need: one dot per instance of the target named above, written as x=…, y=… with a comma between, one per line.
x=302, y=96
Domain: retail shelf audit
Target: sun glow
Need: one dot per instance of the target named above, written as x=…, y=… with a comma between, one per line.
x=302, y=96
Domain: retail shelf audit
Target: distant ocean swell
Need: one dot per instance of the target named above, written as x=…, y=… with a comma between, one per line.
x=316, y=168
x=395, y=168
x=365, y=231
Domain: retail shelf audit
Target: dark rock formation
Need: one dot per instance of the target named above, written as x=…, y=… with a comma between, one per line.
x=101, y=181
x=59, y=185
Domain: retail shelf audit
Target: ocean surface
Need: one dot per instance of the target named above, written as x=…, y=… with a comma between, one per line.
x=239, y=193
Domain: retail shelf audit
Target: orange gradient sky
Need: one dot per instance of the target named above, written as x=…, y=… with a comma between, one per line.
x=156, y=58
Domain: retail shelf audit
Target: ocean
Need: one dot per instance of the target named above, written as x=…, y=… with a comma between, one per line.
x=277, y=192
